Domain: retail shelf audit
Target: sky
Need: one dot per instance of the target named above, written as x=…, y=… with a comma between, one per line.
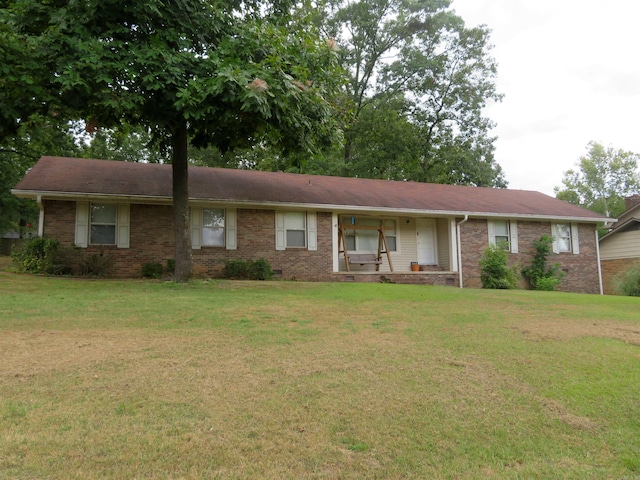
x=569, y=71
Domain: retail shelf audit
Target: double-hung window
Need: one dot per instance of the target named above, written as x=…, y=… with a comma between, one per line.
x=296, y=230
x=103, y=219
x=565, y=238
x=295, y=226
x=504, y=234
x=102, y=224
x=213, y=227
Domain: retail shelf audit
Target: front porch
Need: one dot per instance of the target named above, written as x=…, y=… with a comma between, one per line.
x=395, y=249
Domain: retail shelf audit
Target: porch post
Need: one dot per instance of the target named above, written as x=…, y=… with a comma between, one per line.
x=334, y=242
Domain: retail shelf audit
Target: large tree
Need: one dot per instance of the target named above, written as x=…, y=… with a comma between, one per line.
x=190, y=71
x=419, y=59
x=601, y=180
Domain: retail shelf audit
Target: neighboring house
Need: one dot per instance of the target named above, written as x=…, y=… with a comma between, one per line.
x=302, y=223
x=620, y=248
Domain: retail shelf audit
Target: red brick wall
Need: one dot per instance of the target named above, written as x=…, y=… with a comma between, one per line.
x=152, y=238
x=581, y=271
x=612, y=269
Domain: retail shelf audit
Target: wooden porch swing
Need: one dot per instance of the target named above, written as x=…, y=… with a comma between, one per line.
x=364, y=258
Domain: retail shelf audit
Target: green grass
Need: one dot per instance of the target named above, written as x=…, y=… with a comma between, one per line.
x=270, y=380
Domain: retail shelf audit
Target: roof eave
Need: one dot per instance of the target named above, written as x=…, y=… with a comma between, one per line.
x=336, y=208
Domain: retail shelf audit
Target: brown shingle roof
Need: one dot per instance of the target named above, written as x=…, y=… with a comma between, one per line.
x=58, y=176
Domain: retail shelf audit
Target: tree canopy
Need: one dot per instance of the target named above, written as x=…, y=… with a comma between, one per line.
x=418, y=82
x=601, y=180
x=227, y=74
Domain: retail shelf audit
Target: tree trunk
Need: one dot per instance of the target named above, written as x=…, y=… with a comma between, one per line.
x=182, y=227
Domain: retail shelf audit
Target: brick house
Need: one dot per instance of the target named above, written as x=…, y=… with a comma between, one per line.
x=620, y=248
x=308, y=227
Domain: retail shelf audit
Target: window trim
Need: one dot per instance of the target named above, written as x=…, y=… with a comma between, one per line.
x=512, y=234
x=574, y=240
x=83, y=225
x=230, y=227
x=311, y=231
x=210, y=227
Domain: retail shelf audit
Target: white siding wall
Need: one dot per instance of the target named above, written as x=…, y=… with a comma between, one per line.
x=407, y=248
x=621, y=245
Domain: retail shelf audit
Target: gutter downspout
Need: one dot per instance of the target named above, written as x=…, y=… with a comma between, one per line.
x=466, y=217
x=599, y=264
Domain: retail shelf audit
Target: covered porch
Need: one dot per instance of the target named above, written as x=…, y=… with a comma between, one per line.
x=402, y=249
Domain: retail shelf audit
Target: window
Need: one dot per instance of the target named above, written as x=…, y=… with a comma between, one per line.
x=295, y=229
x=504, y=234
x=501, y=230
x=565, y=238
x=366, y=239
x=103, y=220
x=102, y=224
x=213, y=227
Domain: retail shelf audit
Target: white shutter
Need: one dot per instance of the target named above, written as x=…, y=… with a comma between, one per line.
x=231, y=228
x=575, y=242
x=196, y=227
x=554, y=236
x=280, y=231
x=312, y=231
x=513, y=231
x=492, y=232
x=123, y=225
x=82, y=224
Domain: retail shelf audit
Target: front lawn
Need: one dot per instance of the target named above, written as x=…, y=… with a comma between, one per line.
x=273, y=380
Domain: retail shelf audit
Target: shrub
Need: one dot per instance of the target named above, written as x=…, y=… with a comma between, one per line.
x=628, y=283
x=261, y=269
x=171, y=265
x=36, y=256
x=238, y=269
x=495, y=271
x=248, y=270
x=540, y=276
x=96, y=265
x=151, y=270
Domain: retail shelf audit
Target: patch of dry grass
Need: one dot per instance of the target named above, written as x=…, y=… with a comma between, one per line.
x=290, y=380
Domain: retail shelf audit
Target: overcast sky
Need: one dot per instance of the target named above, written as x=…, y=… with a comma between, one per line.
x=570, y=73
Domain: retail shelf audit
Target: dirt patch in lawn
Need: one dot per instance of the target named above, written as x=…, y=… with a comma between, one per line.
x=568, y=330
x=33, y=353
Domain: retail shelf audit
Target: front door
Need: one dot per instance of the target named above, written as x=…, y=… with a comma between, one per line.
x=426, y=240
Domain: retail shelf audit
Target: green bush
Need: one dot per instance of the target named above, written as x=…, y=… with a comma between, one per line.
x=495, y=271
x=628, y=283
x=171, y=265
x=38, y=255
x=248, y=270
x=151, y=270
x=540, y=276
x=96, y=265
x=261, y=269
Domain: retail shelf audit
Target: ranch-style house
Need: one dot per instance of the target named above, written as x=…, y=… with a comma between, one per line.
x=309, y=227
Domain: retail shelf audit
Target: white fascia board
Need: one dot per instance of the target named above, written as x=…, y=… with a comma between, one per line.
x=335, y=208
x=74, y=196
